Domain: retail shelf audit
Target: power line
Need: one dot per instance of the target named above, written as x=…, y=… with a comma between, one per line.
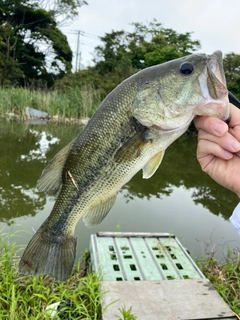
x=92, y=41
x=88, y=45
x=89, y=35
x=81, y=33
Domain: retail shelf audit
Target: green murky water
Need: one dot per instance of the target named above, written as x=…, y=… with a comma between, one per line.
x=179, y=198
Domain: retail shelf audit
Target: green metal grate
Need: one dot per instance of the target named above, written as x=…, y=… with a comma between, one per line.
x=121, y=256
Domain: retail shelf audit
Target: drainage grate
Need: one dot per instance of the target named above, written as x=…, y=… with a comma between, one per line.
x=121, y=256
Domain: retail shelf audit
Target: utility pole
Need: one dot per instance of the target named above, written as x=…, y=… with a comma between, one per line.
x=78, y=53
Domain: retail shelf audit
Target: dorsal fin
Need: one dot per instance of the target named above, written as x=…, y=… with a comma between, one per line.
x=96, y=215
x=51, y=178
x=150, y=168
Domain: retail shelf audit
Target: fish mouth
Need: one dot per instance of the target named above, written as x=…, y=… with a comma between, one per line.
x=172, y=110
x=214, y=90
x=215, y=94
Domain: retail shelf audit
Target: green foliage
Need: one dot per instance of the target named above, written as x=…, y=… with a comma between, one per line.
x=27, y=297
x=152, y=44
x=63, y=11
x=148, y=45
x=73, y=103
x=126, y=314
x=123, y=53
x=224, y=278
x=32, y=47
x=231, y=63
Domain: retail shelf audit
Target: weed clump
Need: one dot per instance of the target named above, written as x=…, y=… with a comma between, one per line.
x=23, y=297
x=224, y=277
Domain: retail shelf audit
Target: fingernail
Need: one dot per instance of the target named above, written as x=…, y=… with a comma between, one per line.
x=220, y=128
x=235, y=145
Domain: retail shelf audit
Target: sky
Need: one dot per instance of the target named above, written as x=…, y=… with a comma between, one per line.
x=215, y=23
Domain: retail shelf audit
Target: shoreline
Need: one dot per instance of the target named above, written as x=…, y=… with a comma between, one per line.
x=55, y=119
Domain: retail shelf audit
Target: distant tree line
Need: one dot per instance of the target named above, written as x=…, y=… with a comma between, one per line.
x=123, y=53
x=34, y=51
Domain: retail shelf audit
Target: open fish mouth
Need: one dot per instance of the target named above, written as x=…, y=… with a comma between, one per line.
x=214, y=65
x=202, y=91
x=217, y=72
x=214, y=90
x=213, y=87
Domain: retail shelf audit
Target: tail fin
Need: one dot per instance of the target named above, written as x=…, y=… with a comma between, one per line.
x=49, y=255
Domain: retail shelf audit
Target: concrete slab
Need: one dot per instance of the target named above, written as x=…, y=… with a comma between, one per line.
x=164, y=300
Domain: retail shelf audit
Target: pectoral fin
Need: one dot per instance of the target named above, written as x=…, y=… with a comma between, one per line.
x=150, y=168
x=96, y=215
x=51, y=178
x=132, y=148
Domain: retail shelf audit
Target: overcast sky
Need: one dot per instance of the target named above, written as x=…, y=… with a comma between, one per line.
x=215, y=23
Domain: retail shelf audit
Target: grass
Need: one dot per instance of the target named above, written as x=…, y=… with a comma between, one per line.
x=126, y=314
x=23, y=297
x=224, y=277
x=74, y=103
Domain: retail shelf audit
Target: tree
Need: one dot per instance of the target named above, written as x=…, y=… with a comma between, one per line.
x=123, y=53
x=63, y=11
x=152, y=44
x=231, y=64
x=148, y=45
x=32, y=46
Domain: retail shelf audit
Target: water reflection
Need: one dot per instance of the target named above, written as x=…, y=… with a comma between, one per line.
x=179, y=195
x=45, y=140
x=25, y=151
x=180, y=168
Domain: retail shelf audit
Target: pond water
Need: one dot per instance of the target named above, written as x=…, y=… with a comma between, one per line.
x=178, y=199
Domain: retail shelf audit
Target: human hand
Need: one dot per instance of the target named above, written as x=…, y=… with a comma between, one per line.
x=218, y=150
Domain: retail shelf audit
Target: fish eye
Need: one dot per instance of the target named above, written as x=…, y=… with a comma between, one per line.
x=186, y=68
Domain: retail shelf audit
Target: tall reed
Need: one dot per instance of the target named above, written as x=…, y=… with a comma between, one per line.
x=74, y=103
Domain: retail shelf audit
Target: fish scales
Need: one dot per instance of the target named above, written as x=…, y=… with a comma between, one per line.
x=89, y=149
x=129, y=131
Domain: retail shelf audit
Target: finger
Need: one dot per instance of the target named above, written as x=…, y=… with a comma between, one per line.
x=234, y=116
x=234, y=124
x=218, y=127
x=211, y=125
x=226, y=142
x=207, y=150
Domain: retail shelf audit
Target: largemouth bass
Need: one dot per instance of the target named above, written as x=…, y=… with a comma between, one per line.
x=130, y=131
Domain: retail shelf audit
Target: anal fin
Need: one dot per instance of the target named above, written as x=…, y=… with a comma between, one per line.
x=151, y=167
